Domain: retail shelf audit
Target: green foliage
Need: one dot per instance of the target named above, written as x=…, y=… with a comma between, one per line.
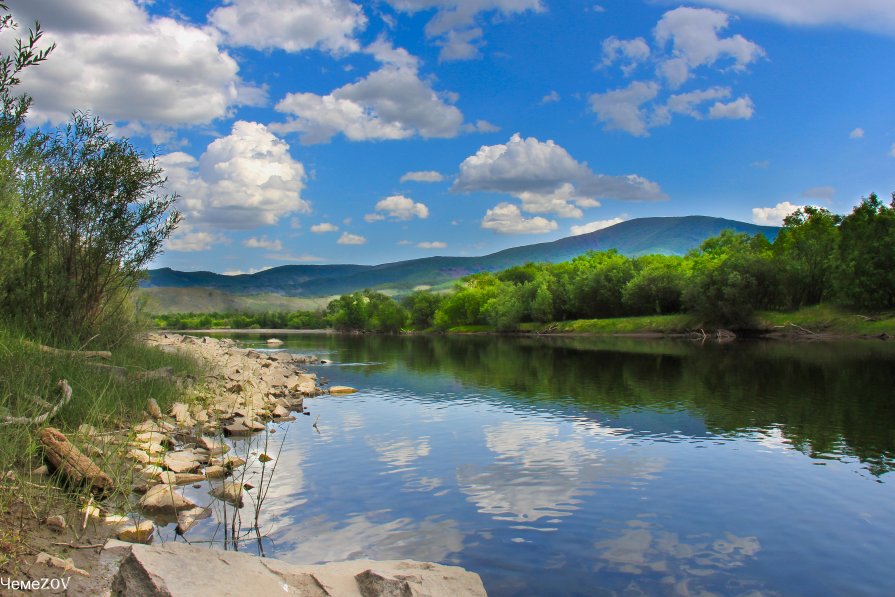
x=599, y=281
x=657, y=287
x=296, y=320
x=94, y=220
x=865, y=274
x=367, y=311
x=422, y=306
x=805, y=251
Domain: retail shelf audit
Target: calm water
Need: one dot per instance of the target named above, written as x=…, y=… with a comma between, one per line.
x=597, y=466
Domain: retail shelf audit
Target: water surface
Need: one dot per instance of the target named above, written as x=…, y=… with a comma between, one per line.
x=597, y=466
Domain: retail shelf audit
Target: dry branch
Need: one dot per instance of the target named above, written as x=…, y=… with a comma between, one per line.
x=72, y=463
x=64, y=388
x=85, y=354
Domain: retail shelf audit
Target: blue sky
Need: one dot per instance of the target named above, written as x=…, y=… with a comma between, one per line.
x=332, y=131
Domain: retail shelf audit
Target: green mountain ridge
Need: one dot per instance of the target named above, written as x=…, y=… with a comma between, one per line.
x=642, y=236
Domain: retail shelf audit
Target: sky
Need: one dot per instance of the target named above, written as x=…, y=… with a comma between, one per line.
x=334, y=131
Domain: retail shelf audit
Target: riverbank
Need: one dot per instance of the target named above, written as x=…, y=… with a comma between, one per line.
x=132, y=482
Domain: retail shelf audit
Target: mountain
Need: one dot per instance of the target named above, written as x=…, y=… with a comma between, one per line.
x=642, y=236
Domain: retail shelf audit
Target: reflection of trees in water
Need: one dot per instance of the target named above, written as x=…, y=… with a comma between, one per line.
x=826, y=398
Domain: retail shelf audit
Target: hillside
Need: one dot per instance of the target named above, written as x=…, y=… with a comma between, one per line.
x=669, y=236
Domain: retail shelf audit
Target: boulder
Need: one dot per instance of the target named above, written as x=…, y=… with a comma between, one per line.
x=216, y=472
x=214, y=447
x=342, y=390
x=160, y=570
x=187, y=478
x=163, y=500
x=228, y=492
x=139, y=533
x=185, y=461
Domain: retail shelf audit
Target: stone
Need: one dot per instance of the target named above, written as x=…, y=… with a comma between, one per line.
x=57, y=522
x=216, y=472
x=181, y=412
x=232, y=462
x=139, y=533
x=168, y=478
x=86, y=430
x=138, y=455
x=274, y=342
x=214, y=447
x=152, y=437
x=152, y=471
x=160, y=570
x=265, y=458
x=163, y=500
x=152, y=408
x=280, y=412
x=67, y=564
x=183, y=462
x=228, y=492
x=186, y=520
x=342, y=390
x=237, y=430
x=41, y=471
x=188, y=478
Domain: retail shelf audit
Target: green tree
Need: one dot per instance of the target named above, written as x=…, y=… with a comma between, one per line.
x=94, y=220
x=422, y=306
x=806, y=250
x=865, y=274
x=598, y=283
x=657, y=287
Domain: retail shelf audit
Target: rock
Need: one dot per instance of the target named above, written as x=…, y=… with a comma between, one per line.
x=140, y=533
x=152, y=437
x=228, y=492
x=185, y=461
x=168, y=478
x=154, y=411
x=216, y=472
x=214, y=447
x=237, y=430
x=188, y=478
x=160, y=570
x=152, y=471
x=181, y=412
x=57, y=522
x=41, y=471
x=280, y=412
x=163, y=500
x=66, y=564
x=157, y=426
x=274, y=342
x=342, y=390
x=232, y=462
x=138, y=455
x=86, y=430
x=186, y=520
x=265, y=458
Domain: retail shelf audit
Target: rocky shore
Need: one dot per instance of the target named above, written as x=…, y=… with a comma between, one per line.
x=190, y=448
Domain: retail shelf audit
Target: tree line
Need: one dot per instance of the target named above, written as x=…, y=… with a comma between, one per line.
x=817, y=257
x=82, y=214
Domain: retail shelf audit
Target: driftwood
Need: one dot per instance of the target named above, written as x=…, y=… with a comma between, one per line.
x=85, y=354
x=72, y=463
x=63, y=388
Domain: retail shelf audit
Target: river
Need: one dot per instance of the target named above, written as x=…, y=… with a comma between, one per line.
x=596, y=466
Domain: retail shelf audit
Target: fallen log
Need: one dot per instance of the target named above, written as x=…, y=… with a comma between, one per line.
x=85, y=354
x=77, y=468
x=63, y=387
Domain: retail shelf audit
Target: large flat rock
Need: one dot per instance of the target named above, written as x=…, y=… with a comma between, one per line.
x=179, y=570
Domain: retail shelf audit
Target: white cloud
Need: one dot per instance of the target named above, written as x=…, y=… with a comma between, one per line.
x=291, y=25
x=739, y=109
x=241, y=272
x=243, y=180
x=398, y=207
x=186, y=239
x=351, y=239
x=505, y=218
x=263, y=243
x=629, y=52
x=550, y=98
x=621, y=109
x=824, y=193
x=432, y=245
x=867, y=15
x=455, y=24
x=119, y=63
x=892, y=151
x=324, y=227
x=423, y=176
x=597, y=225
x=857, y=133
x=389, y=103
x=292, y=257
x=773, y=216
x=687, y=103
x=546, y=178
x=373, y=217
x=693, y=36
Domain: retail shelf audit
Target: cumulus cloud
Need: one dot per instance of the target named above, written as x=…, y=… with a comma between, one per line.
x=596, y=225
x=866, y=15
x=423, y=176
x=186, y=239
x=546, y=178
x=116, y=61
x=263, y=243
x=432, y=245
x=692, y=34
x=505, y=218
x=398, y=207
x=857, y=133
x=622, y=109
x=351, y=239
x=628, y=52
x=290, y=25
x=390, y=103
x=455, y=26
x=243, y=180
x=550, y=98
x=823, y=193
x=773, y=216
x=324, y=227
x=739, y=109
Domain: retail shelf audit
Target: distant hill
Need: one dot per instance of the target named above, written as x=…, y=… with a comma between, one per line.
x=642, y=236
